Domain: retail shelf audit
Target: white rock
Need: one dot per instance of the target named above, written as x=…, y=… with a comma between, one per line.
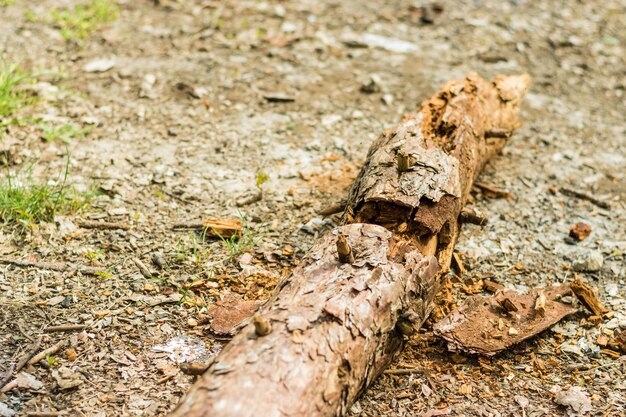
x=99, y=65
x=5, y=411
x=575, y=398
x=590, y=261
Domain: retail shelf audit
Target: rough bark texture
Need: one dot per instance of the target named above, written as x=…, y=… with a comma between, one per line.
x=486, y=325
x=447, y=144
x=337, y=321
x=332, y=332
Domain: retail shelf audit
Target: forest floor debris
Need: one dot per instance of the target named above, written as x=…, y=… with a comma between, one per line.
x=158, y=154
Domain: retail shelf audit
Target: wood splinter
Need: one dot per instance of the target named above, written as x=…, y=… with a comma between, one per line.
x=344, y=251
x=404, y=161
x=540, y=303
x=472, y=216
x=262, y=327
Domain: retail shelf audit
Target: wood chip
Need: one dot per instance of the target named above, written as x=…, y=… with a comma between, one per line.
x=588, y=297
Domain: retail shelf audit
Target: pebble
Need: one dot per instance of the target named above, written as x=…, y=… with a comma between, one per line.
x=371, y=85
x=590, y=261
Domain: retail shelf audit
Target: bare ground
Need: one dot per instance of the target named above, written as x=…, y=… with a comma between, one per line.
x=181, y=128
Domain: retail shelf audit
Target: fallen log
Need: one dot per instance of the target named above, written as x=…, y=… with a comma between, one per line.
x=333, y=326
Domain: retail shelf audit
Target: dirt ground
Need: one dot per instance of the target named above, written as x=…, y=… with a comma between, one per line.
x=199, y=101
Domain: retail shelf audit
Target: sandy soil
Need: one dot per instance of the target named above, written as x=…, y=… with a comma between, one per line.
x=186, y=118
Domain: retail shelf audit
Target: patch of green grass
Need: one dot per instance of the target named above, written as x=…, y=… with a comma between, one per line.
x=63, y=133
x=79, y=22
x=4, y=3
x=25, y=201
x=193, y=248
x=12, y=96
x=237, y=245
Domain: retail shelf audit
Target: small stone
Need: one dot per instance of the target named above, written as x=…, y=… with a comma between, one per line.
x=99, y=65
x=590, y=261
x=387, y=99
x=522, y=401
x=55, y=300
x=575, y=398
x=371, y=85
x=580, y=231
x=172, y=131
x=513, y=331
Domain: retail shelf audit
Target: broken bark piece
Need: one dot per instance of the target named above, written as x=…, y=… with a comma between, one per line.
x=225, y=228
x=479, y=325
x=491, y=286
x=588, y=297
x=508, y=305
x=225, y=315
x=335, y=326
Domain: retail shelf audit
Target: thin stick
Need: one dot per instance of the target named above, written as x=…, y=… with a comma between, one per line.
x=15, y=368
x=90, y=224
x=585, y=196
x=403, y=371
x=66, y=328
x=492, y=189
x=50, y=351
x=59, y=267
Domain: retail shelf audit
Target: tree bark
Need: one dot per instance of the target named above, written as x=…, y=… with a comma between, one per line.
x=331, y=327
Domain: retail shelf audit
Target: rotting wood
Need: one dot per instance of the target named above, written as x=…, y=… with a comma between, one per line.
x=588, y=297
x=336, y=325
x=487, y=325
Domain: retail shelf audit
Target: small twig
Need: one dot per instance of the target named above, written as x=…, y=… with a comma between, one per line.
x=90, y=224
x=165, y=379
x=50, y=351
x=403, y=371
x=492, y=189
x=44, y=414
x=66, y=328
x=145, y=271
x=39, y=265
x=470, y=215
x=334, y=208
x=59, y=267
x=585, y=196
x=7, y=376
